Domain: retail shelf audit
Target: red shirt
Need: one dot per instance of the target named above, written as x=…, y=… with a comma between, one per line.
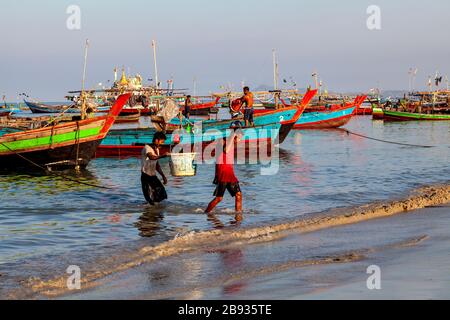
x=225, y=168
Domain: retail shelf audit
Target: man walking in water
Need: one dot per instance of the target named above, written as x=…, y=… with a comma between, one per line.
x=247, y=101
x=225, y=179
x=153, y=189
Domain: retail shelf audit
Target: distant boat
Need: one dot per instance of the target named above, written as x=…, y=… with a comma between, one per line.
x=128, y=118
x=37, y=107
x=378, y=113
x=390, y=115
x=134, y=111
x=203, y=109
x=61, y=146
x=329, y=118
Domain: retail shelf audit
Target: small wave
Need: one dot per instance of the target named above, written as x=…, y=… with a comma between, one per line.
x=229, y=237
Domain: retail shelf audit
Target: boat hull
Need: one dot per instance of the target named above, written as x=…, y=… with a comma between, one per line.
x=378, y=114
x=128, y=145
x=134, y=111
x=325, y=120
x=364, y=111
x=41, y=108
x=59, y=158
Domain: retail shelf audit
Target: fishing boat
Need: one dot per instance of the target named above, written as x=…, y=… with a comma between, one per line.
x=365, y=109
x=122, y=144
x=29, y=123
x=202, y=109
x=5, y=113
x=58, y=146
x=129, y=142
x=288, y=115
x=392, y=115
x=128, y=118
x=378, y=113
x=329, y=118
x=37, y=107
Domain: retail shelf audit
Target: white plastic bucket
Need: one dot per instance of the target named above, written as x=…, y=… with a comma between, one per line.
x=182, y=164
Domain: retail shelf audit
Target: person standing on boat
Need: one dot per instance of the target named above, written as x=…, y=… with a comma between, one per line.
x=152, y=188
x=187, y=107
x=225, y=178
x=247, y=102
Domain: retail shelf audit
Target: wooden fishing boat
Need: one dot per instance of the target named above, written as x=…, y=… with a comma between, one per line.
x=59, y=146
x=36, y=107
x=5, y=113
x=364, y=110
x=378, y=113
x=125, y=145
x=336, y=116
x=202, y=109
x=273, y=125
x=133, y=111
x=128, y=118
x=391, y=115
x=287, y=116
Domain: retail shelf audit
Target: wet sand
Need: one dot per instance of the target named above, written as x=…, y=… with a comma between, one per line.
x=411, y=249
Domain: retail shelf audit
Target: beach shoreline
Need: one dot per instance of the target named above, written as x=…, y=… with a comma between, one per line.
x=411, y=268
x=230, y=244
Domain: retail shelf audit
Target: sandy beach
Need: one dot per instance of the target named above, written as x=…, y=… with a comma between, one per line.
x=410, y=249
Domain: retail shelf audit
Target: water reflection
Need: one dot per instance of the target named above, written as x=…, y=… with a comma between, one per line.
x=42, y=183
x=149, y=223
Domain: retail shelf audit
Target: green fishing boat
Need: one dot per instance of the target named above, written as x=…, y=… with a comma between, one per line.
x=63, y=145
x=377, y=113
x=390, y=115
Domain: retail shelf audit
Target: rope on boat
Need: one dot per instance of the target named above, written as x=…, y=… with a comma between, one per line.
x=55, y=173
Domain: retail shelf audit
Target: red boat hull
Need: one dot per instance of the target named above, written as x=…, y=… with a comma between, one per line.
x=326, y=124
x=364, y=112
x=143, y=112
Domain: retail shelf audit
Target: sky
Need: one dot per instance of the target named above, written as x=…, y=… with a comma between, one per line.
x=221, y=42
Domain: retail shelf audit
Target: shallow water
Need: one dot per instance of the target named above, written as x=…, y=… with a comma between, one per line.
x=47, y=223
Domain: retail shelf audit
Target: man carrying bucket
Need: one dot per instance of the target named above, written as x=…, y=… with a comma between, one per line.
x=225, y=179
x=153, y=189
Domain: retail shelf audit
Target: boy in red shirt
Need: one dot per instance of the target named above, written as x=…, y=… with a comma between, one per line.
x=225, y=178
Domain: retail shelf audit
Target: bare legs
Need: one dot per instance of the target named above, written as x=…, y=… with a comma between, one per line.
x=239, y=202
x=238, y=205
x=213, y=204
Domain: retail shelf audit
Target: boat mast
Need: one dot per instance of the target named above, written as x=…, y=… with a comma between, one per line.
x=155, y=64
x=315, y=76
x=275, y=76
x=195, y=86
x=275, y=69
x=83, y=96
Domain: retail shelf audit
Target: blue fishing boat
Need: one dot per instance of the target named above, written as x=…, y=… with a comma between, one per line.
x=287, y=116
x=130, y=142
x=333, y=117
x=36, y=107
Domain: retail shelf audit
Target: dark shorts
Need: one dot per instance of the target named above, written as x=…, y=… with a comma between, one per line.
x=153, y=189
x=187, y=112
x=233, y=189
x=248, y=114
